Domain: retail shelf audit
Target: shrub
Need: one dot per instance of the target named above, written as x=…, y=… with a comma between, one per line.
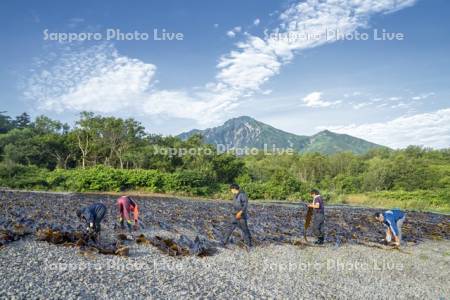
x=22, y=177
x=152, y=180
x=195, y=182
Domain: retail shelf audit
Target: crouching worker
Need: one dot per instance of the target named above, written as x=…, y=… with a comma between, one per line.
x=240, y=216
x=126, y=207
x=93, y=216
x=393, y=220
x=318, y=217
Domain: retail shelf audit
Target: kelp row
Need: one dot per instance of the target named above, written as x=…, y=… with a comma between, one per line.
x=206, y=221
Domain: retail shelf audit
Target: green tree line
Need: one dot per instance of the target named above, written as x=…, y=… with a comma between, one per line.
x=112, y=154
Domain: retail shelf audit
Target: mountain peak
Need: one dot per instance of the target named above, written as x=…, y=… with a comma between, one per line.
x=245, y=131
x=324, y=133
x=241, y=120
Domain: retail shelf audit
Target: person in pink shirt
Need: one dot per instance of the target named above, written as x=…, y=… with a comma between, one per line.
x=126, y=207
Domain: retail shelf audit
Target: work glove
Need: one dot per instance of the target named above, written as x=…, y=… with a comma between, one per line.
x=239, y=215
x=388, y=238
x=90, y=227
x=122, y=225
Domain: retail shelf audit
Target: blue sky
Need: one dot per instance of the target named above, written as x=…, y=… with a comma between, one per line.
x=393, y=92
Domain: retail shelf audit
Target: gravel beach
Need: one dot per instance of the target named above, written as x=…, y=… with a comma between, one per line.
x=34, y=269
x=280, y=266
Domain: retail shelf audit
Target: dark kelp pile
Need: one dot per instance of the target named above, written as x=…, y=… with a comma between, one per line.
x=205, y=220
x=182, y=246
x=13, y=233
x=85, y=241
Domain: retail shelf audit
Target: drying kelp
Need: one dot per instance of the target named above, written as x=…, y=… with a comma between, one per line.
x=168, y=245
x=308, y=217
x=85, y=241
x=208, y=220
x=12, y=233
x=7, y=236
x=182, y=246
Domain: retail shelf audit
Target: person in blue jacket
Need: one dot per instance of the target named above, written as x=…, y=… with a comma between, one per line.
x=393, y=220
x=93, y=216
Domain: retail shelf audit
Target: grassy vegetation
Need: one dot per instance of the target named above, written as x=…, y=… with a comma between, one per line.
x=107, y=154
x=437, y=201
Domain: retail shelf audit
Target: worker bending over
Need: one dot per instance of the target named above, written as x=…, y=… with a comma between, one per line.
x=126, y=207
x=393, y=220
x=93, y=216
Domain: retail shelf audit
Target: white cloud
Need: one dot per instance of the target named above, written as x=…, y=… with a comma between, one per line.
x=395, y=98
x=361, y=105
x=258, y=59
x=96, y=79
x=102, y=80
x=354, y=94
x=315, y=100
x=393, y=102
x=250, y=68
x=400, y=105
x=162, y=102
x=427, y=129
x=423, y=96
x=256, y=22
x=216, y=25
x=231, y=33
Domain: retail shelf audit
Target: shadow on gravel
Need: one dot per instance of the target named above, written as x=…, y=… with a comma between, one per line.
x=51, y=217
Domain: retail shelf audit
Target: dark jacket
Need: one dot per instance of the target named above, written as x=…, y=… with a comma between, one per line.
x=320, y=210
x=240, y=202
x=94, y=213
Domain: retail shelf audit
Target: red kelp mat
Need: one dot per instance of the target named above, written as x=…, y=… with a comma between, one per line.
x=207, y=221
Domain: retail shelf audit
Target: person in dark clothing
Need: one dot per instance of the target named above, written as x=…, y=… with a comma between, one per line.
x=318, y=217
x=240, y=215
x=93, y=216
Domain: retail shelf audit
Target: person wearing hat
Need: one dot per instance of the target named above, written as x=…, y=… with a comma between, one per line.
x=318, y=217
x=240, y=216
